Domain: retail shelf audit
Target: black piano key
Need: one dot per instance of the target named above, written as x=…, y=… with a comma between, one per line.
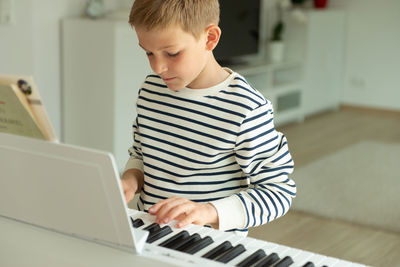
x=187, y=242
x=152, y=227
x=218, y=250
x=175, y=239
x=269, y=260
x=285, y=262
x=231, y=254
x=137, y=223
x=253, y=258
x=309, y=264
x=159, y=234
x=199, y=245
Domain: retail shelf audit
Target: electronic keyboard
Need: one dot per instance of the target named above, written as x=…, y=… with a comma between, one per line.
x=204, y=246
x=56, y=198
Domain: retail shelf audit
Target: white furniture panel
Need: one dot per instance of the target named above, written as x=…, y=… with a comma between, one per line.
x=324, y=60
x=103, y=69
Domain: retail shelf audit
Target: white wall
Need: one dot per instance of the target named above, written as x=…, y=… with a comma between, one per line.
x=16, y=51
x=372, y=53
x=31, y=45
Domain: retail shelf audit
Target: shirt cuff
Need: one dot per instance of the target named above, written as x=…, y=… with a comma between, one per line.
x=134, y=164
x=231, y=213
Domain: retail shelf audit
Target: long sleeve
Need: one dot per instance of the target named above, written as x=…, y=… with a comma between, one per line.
x=135, y=151
x=263, y=155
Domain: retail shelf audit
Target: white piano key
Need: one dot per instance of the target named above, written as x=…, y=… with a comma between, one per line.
x=281, y=250
x=268, y=247
x=317, y=259
x=343, y=263
x=299, y=257
x=329, y=262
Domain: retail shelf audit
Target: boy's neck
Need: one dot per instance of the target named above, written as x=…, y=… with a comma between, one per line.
x=211, y=75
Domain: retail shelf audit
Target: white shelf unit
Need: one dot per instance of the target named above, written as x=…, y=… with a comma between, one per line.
x=320, y=45
x=280, y=83
x=103, y=69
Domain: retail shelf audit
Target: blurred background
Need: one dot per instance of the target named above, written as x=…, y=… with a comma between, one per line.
x=331, y=68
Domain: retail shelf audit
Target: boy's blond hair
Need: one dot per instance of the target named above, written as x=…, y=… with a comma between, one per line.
x=192, y=15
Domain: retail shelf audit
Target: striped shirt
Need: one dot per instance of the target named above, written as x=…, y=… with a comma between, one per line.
x=215, y=145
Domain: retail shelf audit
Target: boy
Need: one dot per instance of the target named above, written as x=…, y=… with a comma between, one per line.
x=205, y=149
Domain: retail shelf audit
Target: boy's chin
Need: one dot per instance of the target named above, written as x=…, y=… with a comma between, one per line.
x=175, y=87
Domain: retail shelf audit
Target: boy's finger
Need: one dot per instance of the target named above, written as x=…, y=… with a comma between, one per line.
x=190, y=218
x=156, y=207
x=170, y=210
x=181, y=208
x=153, y=209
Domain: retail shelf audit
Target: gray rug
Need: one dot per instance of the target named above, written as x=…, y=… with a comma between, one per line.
x=359, y=184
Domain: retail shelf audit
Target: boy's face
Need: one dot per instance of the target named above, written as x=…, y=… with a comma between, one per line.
x=176, y=56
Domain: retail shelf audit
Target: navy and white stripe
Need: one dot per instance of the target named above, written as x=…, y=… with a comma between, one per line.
x=215, y=145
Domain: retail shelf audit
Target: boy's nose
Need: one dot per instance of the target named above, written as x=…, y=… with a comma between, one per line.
x=159, y=66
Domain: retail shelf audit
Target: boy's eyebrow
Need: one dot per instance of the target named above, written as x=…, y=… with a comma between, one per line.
x=165, y=47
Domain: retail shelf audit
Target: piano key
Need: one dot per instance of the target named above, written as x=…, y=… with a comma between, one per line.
x=316, y=259
x=282, y=250
x=299, y=257
x=159, y=234
x=152, y=227
x=200, y=244
x=191, y=229
x=328, y=261
x=268, y=247
x=231, y=254
x=285, y=262
x=252, y=245
x=308, y=264
x=220, y=249
x=175, y=239
x=137, y=222
x=268, y=261
x=253, y=258
x=187, y=242
x=218, y=238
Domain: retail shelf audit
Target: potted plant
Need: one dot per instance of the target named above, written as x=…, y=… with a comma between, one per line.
x=276, y=45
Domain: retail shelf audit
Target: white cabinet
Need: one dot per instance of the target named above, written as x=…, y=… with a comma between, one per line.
x=310, y=79
x=321, y=41
x=103, y=69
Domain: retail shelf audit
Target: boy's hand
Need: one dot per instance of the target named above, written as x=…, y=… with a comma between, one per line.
x=129, y=188
x=132, y=182
x=184, y=211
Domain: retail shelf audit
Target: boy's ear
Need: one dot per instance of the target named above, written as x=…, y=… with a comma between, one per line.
x=213, y=33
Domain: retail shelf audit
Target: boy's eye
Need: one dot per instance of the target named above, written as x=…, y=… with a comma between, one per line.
x=173, y=54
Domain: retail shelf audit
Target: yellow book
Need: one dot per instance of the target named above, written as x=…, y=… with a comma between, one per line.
x=21, y=109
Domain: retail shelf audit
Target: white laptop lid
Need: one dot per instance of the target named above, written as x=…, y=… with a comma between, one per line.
x=69, y=189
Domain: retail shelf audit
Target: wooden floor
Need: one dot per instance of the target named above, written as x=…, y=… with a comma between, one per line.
x=319, y=136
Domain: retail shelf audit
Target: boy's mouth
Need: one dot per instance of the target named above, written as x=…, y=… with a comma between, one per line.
x=168, y=79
